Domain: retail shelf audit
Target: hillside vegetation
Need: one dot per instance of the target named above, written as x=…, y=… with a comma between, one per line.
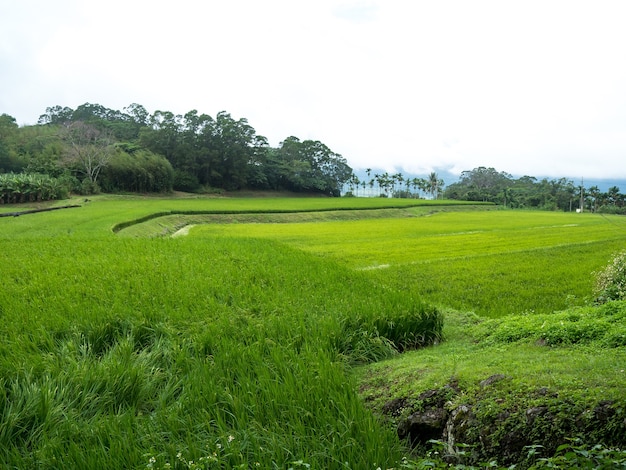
x=247, y=345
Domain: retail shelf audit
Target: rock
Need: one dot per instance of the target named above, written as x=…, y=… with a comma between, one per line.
x=461, y=420
x=491, y=380
x=604, y=411
x=422, y=426
x=395, y=407
x=486, y=425
x=429, y=418
x=533, y=413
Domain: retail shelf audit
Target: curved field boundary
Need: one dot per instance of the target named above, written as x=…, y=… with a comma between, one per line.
x=184, y=217
x=33, y=211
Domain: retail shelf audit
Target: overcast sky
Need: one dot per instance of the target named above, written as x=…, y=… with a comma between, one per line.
x=527, y=87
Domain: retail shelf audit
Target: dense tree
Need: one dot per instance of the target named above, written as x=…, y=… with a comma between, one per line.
x=137, y=170
x=480, y=184
x=308, y=165
x=8, y=160
x=56, y=115
x=486, y=184
x=594, y=192
x=235, y=146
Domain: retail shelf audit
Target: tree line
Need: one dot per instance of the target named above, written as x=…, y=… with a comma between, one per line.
x=487, y=184
x=93, y=147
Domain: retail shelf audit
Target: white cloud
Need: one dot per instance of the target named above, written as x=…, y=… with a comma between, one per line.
x=529, y=87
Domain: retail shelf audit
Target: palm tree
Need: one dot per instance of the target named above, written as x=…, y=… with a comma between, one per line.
x=399, y=178
x=386, y=182
x=440, y=184
x=613, y=195
x=594, y=191
x=415, y=182
x=433, y=184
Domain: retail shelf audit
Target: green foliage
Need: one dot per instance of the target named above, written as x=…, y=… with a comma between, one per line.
x=308, y=166
x=487, y=184
x=513, y=394
x=220, y=152
x=184, y=181
x=25, y=187
x=576, y=454
x=403, y=323
x=573, y=454
x=603, y=326
x=480, y=184
x=611, y=281
x=139, y=171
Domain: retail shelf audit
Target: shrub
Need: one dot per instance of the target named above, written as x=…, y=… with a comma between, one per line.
x=611, y=281
x=184, y=181
x=603, y=325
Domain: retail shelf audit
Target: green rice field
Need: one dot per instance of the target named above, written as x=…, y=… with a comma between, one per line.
x=256, y=337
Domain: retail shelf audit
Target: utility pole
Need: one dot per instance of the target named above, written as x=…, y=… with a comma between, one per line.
x=582, y=196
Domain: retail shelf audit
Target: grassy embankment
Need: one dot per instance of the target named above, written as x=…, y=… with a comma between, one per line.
x=227, y=348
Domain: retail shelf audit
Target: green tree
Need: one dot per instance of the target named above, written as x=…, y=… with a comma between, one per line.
x=56, y=115
x=613, y=196
x=311, y=166
x=435, y=185
x=236, y=145
x=8, y=160
x=594, y=192
x=480, y=184
x=137, y=170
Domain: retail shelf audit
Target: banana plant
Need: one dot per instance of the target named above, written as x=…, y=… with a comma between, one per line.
x=29, y=187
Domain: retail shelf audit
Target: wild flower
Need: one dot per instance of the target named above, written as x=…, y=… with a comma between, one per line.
x=611, y=281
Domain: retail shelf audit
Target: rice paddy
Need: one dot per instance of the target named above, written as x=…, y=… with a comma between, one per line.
x=236, y=345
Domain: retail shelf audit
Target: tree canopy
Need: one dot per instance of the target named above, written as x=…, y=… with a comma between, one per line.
x=203, y=151
x=487, y=184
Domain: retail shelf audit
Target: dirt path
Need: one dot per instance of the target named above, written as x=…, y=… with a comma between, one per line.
x=183, y=231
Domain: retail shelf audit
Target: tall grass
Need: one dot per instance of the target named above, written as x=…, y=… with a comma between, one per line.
x=126, y=353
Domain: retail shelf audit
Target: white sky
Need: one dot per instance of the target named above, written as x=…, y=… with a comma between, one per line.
x=527, y=87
